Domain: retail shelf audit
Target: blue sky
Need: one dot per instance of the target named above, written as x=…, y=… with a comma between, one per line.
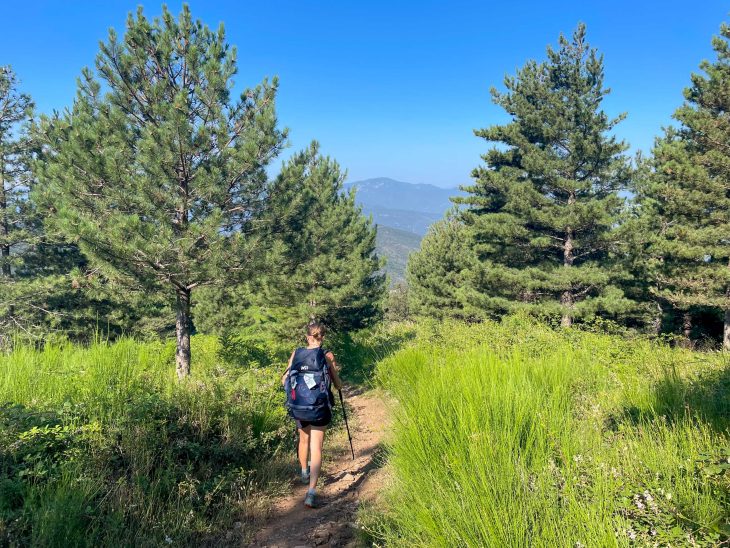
x=393, y=88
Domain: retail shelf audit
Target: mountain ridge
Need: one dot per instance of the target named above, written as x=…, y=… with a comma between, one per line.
x=403, y=213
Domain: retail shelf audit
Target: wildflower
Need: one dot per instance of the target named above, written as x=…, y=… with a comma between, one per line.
x=647, y=496
x=168, y=540
x=631, y=533
x=669, y=496
x=653, y=532
x=578, y=458
x=579, y=544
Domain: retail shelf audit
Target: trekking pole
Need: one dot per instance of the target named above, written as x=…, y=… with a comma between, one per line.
x=344, y=414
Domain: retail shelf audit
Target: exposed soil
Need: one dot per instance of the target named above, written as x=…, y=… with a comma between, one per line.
x=344, y=485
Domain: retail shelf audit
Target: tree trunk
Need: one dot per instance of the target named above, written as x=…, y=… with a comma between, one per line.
x=182, y=332
x=4, y=226
x=656, y=324
x=726, y=330
x=566, y=299
x=687, y=329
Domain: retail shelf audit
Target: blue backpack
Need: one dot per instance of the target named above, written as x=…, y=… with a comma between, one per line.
x=308, y=396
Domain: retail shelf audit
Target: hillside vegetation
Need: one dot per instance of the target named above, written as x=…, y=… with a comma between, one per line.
x=512, y=434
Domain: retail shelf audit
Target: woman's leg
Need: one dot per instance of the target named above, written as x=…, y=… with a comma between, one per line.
x=303, y=446
x=316, y=436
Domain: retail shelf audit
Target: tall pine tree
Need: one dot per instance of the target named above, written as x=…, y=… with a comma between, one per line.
x=687, y=197
x=541, y=211
x=157, y=171
x=16, y=218
x=322, y=262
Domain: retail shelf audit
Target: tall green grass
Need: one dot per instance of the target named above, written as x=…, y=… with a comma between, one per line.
x=102, y=446
x=512, y=434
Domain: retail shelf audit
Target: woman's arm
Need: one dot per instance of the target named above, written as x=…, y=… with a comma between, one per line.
x=283, y=377
x=330, y=357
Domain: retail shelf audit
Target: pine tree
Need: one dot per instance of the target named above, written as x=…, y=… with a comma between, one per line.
x=156, y=171
x=706, y=124
x=16, y=111
x=686, y=199
x=540, y=213
x=435, y=273
x=322, y=262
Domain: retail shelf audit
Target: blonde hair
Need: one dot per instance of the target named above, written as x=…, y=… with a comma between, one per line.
x=316, y=331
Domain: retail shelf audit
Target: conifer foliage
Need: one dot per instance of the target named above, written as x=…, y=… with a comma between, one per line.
x=686, y=200
x=541, y=210
x=435, y=273
x=322, y=262
x=156, y=170
x=16, y=217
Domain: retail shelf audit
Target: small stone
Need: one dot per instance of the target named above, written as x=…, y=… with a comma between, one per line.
x=348, y=477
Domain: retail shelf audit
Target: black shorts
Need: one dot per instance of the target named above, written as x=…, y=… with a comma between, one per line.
x=323, y=422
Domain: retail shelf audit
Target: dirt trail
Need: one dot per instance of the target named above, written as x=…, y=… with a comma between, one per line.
x=343, y=486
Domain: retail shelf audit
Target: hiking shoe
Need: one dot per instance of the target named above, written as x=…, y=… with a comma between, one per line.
x=309, y=500
x=305, y=477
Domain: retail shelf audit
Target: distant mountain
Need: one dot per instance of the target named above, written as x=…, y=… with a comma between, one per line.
x=391, y=194
x=395, y=245
x=403, y=213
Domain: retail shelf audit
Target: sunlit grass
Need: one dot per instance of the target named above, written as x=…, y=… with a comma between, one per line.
x=515, y=435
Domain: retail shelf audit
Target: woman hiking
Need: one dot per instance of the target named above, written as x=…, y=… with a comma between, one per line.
x=309, y=401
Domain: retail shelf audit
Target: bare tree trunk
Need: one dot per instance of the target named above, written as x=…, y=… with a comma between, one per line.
x=656, y=324
x=687, y=329
x=726, y=330
x=566, y=299
x=4, y=226
x=182, y=332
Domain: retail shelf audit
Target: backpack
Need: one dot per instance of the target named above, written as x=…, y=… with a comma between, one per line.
x=308, y=396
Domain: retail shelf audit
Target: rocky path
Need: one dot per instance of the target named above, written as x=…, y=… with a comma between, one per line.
x=344, y=485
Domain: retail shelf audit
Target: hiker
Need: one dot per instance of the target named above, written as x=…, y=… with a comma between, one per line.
x=307, y=382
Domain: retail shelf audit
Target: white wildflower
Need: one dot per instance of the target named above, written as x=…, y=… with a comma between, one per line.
x=168, y=540
x=631, y=533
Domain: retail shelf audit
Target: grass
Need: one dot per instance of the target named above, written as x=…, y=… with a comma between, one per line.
x=512, y=434
x=101, y=445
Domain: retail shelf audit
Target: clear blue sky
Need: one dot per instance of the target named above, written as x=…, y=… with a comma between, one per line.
x=393, y=88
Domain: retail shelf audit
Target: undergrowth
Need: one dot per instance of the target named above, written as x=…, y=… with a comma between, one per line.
x=515, y=434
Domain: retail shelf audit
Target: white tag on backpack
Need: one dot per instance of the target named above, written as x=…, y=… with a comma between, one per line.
x=309, y=380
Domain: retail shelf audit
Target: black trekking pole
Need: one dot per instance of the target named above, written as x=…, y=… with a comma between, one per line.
x=344, y=414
